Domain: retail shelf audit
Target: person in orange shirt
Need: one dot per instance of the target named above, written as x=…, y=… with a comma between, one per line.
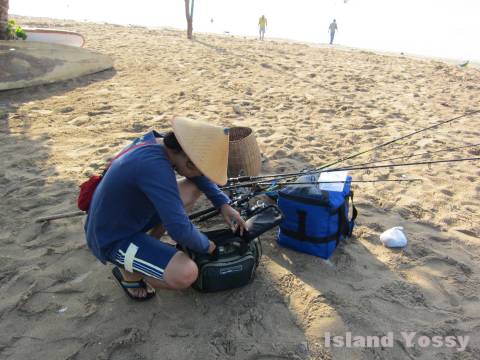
x=262, y=24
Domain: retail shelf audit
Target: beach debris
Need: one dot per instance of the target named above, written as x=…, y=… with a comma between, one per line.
x=62, y=310
x=394, y=237
x=464, y=64
x=237, y=109
x=80, y=278
x=60, y=216
x=302, y=348
x=80, y=120
x=66, y=109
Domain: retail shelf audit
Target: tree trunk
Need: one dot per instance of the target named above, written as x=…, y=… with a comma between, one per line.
x=3, y=19
x=189, y=28
x=189, y=16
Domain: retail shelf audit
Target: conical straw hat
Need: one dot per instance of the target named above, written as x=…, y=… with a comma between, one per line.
x=206, y=145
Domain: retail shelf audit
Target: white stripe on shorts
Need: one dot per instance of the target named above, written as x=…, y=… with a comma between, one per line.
x=141, y=266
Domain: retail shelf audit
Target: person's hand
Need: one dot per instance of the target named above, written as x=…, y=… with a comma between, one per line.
x=233, y=218
x=211, y=247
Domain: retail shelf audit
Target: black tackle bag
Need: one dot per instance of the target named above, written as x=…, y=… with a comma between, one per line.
x=235, y=259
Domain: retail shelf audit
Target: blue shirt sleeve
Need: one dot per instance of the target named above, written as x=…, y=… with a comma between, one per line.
x=211, y=191
x=156, y=179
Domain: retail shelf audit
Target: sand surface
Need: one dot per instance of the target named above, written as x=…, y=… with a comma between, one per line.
x=307, y=105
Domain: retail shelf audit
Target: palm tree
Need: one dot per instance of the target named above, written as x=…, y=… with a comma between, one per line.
x=3, y=19
x=189, y=16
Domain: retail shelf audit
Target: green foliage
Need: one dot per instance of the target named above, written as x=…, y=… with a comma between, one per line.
x=14, y=31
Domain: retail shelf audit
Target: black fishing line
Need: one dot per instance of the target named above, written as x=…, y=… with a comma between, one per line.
x=324, y=182
x=352, y=168
x=305, y=172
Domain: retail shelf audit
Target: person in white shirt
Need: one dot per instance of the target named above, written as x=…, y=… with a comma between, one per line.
x=332, y=28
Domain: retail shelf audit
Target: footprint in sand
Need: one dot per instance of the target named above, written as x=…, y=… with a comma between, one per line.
x=447, y=192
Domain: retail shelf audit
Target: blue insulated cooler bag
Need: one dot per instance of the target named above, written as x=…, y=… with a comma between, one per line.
x=315, y=220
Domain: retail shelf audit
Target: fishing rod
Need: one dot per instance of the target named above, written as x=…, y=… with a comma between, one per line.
x=352, y=168
x=305, y=172
x=286, y=176
x=404, y=164
x=414, y=155
x=239, y=200
x=325, y=182
x=274, y=177
x=212, y=211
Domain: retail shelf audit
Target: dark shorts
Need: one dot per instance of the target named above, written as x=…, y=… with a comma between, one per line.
x=144, y=254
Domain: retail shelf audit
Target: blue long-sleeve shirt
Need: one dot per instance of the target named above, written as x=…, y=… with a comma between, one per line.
x=139, y=185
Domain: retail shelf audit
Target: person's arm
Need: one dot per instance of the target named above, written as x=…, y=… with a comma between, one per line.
x=157, y=181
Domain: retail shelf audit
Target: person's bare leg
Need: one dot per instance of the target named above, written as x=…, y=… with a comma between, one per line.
x=180, y=273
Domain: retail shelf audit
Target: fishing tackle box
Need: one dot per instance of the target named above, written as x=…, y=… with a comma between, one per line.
x=315, y=220
x=235, y=259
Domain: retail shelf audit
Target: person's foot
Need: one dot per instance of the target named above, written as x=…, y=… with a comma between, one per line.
x=136, y=292
x=133, y=284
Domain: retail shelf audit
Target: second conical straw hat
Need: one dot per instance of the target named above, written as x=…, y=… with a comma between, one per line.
x=206, y=145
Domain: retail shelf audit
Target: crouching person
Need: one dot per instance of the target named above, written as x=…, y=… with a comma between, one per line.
x=139, y=198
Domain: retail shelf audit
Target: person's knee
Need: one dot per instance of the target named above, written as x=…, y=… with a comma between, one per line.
x=189, y=274
x=182, y=274
x=186, y=276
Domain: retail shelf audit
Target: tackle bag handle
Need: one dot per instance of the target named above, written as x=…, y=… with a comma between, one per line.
x=263, y=219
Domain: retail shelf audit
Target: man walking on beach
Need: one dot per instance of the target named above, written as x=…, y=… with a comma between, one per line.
x=332, y=28
x=139, y=198
x=262, y=24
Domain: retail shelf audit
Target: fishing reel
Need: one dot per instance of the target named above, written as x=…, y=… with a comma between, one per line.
x=243, y=204
x=249, y=210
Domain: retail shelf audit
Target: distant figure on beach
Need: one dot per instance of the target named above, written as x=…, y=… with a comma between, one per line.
x=332, y=28
x=139, y=198
x=262, y=24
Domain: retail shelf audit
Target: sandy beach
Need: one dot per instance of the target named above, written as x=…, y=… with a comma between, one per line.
x=308, y=106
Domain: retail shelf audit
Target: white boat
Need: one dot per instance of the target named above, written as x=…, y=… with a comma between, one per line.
x=55, y=36
x=29, y=63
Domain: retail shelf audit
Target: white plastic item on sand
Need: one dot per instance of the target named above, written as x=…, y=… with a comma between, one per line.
x=394, y=237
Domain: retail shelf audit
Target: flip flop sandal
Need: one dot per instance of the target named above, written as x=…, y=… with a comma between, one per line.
x=125, y=285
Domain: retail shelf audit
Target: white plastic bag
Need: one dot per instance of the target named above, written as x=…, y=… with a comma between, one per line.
x=394, y=237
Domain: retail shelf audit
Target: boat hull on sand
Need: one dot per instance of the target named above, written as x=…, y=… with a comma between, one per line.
x=55, y=36
x=24, y=63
